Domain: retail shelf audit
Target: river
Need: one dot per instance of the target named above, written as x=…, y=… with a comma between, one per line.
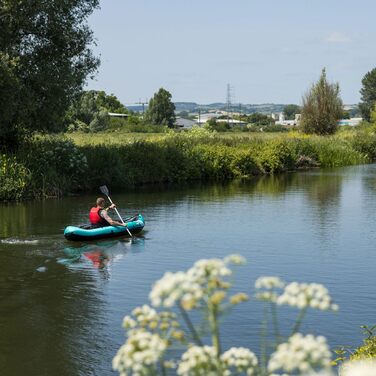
x=62, y=303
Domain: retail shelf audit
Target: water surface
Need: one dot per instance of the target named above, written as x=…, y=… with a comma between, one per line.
x=62, y=303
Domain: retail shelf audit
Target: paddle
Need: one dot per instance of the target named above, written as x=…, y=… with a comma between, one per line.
x=105, y=191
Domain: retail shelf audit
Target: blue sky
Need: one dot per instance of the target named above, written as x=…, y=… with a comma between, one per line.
x=270, y=51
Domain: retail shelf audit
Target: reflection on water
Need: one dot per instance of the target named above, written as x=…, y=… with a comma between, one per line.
x=62, y=302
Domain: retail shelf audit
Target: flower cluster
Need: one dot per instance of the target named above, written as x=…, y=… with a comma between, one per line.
x=302, y=354
x=175, y=287
x=146, y=318
x=366, y=367
x=188, y=288
x=239, y=359
x=267, y=285
x=199, y=360
x=140, y=354
x=304, y=295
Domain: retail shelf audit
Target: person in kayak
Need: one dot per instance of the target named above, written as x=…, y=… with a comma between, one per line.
x=99, y=217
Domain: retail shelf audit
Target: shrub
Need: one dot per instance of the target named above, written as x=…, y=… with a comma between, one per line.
x=56, y=166
x=14, y=178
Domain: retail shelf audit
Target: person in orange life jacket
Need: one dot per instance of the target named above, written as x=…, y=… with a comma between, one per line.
x=98, y=215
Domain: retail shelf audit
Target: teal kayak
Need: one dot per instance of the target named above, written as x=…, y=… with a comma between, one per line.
x=87, y=232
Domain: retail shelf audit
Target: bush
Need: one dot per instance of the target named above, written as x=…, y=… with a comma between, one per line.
x=276, y=155
x=56, y=166
x=14, y=178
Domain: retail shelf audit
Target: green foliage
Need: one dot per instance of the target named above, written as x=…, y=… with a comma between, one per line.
x=92, y=108
x=368, y=94
x=260, y=119
x=291, y=110
x=277, y=155
x=9, y=85
x=322, y=107
x=14, y=178
x=47, y=43
x=161, y=110
x=56, y=166
x=373, y=114
x=335, y=154
x=133, y=124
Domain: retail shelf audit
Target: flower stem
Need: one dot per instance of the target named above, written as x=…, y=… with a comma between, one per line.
x=277, y=333
x=213, y=321
x=190, y=326
x=299, y=320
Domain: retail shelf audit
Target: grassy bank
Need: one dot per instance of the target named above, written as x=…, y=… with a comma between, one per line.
x=53, y=166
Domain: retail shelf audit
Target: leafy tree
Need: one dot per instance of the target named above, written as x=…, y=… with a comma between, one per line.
x=92, y=108
x=322, y=107
x=368, y=94
x=161, y=110
x=259, y=119
x=291, y=110
x=47, y=46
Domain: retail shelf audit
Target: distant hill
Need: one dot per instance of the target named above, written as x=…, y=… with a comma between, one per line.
x=193, y=107
x=246, y=108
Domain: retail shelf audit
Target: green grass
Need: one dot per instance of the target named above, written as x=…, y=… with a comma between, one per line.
x=53, y=166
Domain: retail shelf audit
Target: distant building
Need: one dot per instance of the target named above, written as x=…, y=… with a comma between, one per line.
x=113, y=114
x=282, y=121
x=204, y=118
x=353, y=122
x=182, y=123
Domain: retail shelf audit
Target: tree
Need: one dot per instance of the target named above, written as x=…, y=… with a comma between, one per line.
x=291, y=110
x=92, y=108
x=48, y=43
x=161, y=111
x=368, y=94
x=322, y=107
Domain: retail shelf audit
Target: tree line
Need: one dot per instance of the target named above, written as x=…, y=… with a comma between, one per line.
x=46, y=58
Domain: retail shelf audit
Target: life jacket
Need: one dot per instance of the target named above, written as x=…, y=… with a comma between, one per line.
x=95, y=218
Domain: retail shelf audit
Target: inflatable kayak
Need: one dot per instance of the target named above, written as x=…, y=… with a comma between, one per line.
x=88, y=232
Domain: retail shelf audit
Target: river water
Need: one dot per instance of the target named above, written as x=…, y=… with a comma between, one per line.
x=62, y=304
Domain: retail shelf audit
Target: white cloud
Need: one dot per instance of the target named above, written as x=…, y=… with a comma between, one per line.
x=337, y=37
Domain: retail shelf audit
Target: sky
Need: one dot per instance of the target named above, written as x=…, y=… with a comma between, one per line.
x=269, y=51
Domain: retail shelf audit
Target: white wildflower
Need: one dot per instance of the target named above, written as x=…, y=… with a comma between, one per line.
x=129, y=323
x=234, y=259
x=267, y=296
x=208, y=269
x=140, y=353
x=199, y=360
x=240, y=360
x=269, y=283
x=366, y=367
x=303, y=354
x=303, y=295
x=145, y=313
x=174, y=287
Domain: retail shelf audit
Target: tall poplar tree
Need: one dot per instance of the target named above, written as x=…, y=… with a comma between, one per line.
x=322, y=107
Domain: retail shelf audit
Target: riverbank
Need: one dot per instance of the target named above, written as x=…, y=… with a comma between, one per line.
x=59, y=165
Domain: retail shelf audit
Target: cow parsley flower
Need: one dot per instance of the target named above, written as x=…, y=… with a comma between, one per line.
x=267, y=288
x=140, y=354
x=269, y=283
x=301, y=354
x=199, y=361
x=366, y=367
x=240, y=360
x=175, y=287
x=304, y=295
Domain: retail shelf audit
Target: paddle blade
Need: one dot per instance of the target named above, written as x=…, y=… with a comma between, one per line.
x=104, y=190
